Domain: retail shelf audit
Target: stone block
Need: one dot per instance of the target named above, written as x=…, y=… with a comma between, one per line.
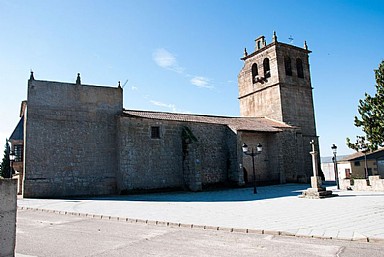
x=316, y=182
x=8, y=209
x=211, y=227
x=255, y=231
x=317, y=193
x=225, y=229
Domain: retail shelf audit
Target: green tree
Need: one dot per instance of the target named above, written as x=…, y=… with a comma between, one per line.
x=371, y=110
x=4, y=166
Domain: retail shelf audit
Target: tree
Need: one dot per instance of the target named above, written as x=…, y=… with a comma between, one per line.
x=5, y=168
x=371, y=110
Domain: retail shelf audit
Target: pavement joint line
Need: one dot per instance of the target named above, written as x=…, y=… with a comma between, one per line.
x=203, y=227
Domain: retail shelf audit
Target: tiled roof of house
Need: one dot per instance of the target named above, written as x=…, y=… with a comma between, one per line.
x=379, y=153
x=261, y=124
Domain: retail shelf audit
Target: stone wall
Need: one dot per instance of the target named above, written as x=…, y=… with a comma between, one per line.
x=261, y=98
x=296, y=93
x=373, y=183
x=8, y=210
x=70, y=139
x=267, y=163
x=284, y=98
x=147, y=163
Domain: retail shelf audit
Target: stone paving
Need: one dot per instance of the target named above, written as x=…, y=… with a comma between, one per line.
x=274, y=210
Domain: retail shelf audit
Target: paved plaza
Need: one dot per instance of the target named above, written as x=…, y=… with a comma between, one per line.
x=274, y=210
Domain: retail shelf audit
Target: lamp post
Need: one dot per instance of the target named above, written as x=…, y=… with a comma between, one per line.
x=334, y=150
x=364, y=148
x=12, y=157
x=253, y=153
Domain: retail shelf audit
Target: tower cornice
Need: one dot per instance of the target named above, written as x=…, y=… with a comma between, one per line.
x=275, y=44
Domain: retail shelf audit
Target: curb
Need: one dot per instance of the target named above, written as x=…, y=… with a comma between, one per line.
x=361, y=238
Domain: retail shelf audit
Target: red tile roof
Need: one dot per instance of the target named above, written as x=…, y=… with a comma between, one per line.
x=379, y=153
x=260, y=124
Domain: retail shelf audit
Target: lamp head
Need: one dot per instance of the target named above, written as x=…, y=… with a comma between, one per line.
x=245, y=148
x=334, y=148
x=259, y=148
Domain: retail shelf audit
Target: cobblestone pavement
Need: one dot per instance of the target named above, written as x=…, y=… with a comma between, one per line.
x=274, y=210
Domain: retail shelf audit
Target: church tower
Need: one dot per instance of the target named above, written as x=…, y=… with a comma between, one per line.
x=275, y=82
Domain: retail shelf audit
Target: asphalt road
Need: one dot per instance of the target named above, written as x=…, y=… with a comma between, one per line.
x=51, y=234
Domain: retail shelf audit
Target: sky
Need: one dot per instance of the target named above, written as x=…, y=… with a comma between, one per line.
x=184, y=55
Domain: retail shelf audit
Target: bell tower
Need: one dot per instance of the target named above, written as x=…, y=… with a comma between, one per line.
x=275, y=82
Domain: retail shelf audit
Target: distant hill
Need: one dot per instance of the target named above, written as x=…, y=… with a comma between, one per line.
x=328, y=159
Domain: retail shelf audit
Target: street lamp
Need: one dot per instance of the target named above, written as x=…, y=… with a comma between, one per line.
x=259, y=149
x=12, y=158
x=334, y=150
x=364, y=148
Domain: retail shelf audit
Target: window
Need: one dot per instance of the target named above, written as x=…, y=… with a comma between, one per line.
x=357, y=163
x=254, y=72
x=288, y=66
x=267, y=70
x=18, y=150
x=299, y=68
x=347, y=173
x=155, y=132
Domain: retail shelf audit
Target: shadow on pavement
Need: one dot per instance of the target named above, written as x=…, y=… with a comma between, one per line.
x=228, y=195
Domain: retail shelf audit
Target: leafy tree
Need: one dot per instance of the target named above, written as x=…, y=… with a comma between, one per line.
x=4, y=166
x=360, y=145
x=371, y=110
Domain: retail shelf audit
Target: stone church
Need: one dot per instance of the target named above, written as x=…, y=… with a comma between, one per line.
x=75, y=139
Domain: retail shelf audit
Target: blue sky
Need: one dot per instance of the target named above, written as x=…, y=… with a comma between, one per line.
x=184, y=55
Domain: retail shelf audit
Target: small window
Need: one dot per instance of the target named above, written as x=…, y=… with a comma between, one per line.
x=357, y=163
x=255, y=72
x=288, y=66
x=155, y=132
x=299, y=68
x=347, y=173
x=267, y=70
x=18, y=150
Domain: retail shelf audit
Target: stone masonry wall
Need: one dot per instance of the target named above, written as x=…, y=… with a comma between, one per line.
x=267, y=163
x=8, y=210
x=70, y=139
x=261, y=98
x=146, y=163
x=373, y=183
x=282, y=160
x=285, y=98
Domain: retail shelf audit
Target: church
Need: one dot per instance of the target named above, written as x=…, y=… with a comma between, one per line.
x=78, y=140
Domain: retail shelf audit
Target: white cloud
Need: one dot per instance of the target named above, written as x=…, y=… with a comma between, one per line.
x=201, y=82
x=172, y=107
x=166, y=60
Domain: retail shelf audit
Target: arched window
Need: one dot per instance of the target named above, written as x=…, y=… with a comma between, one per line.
x=267, y=70
x=255, y=72
x=288, y=66
x=299, y=68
